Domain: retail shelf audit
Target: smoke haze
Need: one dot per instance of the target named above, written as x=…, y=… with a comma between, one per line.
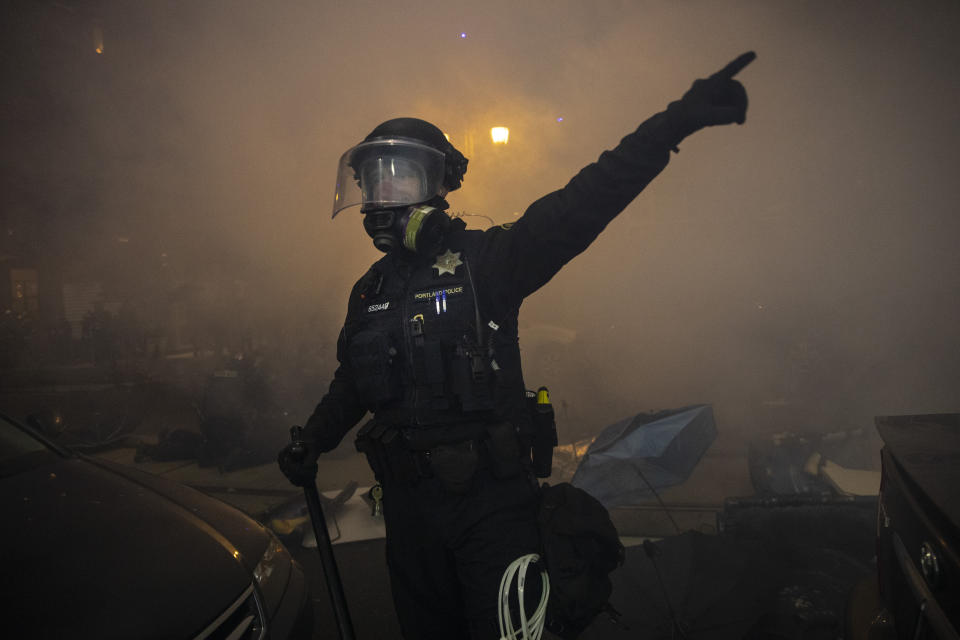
x=806, y=259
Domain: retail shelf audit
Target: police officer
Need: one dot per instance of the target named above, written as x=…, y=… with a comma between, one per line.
x=430, y=348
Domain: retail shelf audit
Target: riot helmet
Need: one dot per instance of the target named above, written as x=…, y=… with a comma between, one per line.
x=403, y=162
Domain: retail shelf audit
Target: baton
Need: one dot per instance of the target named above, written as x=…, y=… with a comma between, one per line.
x=334, y=585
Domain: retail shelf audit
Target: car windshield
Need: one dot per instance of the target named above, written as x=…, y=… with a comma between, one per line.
x=19, y=450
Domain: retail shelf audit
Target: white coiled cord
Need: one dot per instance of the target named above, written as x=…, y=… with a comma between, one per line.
x=532, y=628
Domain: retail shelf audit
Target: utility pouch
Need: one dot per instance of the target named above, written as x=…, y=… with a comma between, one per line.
x=455, y=465
x=371, y=357
x=470, y=379
x=504, y=447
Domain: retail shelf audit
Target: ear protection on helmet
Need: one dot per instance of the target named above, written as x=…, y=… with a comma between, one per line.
x=454, y=168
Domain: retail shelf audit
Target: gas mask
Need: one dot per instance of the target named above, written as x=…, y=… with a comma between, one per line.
x=418, y=229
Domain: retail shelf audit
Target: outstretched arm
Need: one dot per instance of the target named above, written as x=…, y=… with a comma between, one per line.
x=562, y=224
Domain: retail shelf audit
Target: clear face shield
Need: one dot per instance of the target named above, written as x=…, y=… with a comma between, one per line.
x=387, y=173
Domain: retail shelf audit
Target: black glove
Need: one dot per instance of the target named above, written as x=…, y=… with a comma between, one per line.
x=298, y=461
x=718, y=99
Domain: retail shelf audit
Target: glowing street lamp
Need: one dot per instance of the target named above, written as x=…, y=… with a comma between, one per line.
x=499, y=135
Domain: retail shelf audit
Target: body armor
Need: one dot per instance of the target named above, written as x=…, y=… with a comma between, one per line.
x=423, y=344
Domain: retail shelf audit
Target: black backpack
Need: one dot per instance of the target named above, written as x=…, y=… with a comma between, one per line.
x=581, y=547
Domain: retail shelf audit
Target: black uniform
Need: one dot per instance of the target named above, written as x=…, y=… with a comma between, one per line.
x=430, y=347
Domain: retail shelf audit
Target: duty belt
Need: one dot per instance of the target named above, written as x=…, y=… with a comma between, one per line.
x=452, y=453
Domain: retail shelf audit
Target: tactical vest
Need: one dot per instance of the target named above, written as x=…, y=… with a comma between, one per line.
x=423, y=345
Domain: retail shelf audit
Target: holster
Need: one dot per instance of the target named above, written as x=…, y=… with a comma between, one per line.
x=388, y=453
x=367, y=442
x=543, y=439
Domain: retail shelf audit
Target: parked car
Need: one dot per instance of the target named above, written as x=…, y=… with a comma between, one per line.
x=97, y=549
x=916, y=592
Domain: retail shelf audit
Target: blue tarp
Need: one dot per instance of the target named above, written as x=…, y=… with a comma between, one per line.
x=657, y=449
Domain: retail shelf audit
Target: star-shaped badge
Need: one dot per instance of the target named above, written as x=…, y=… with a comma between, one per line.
x=448, y=262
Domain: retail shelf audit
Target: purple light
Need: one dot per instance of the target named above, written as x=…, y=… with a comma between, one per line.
x=560, y=119
x=463, y=34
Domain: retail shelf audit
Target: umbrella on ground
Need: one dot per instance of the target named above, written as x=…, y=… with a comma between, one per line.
x=632, y=458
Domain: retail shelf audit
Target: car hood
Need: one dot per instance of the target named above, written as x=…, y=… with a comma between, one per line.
x=107, y=551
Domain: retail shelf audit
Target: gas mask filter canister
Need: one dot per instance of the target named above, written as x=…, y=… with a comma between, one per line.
x=417, y=229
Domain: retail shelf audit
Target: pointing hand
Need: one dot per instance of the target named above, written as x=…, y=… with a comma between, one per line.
x=717, y=99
